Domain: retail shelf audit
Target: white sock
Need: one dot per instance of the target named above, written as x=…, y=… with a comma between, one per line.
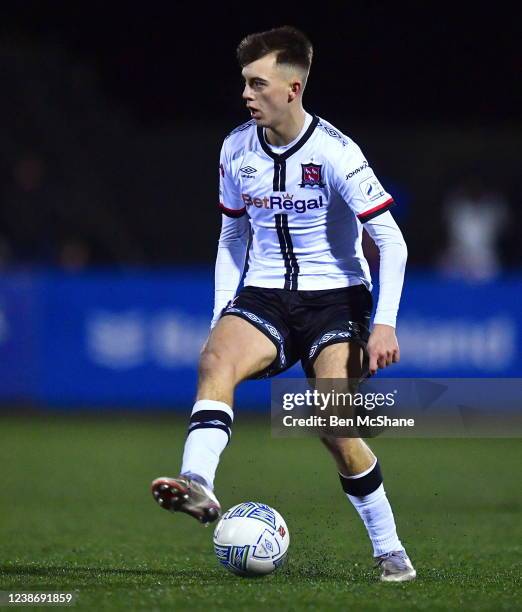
x=209, y=433
x=376, y=513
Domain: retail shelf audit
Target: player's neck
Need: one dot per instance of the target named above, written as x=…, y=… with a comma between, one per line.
x=281, y=135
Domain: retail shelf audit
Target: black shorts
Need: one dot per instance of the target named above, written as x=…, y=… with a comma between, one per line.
x=302, y=323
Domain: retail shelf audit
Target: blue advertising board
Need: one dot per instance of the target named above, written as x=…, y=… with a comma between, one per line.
x=133, y=339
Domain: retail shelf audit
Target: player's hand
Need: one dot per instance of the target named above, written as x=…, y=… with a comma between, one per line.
x=383, y=348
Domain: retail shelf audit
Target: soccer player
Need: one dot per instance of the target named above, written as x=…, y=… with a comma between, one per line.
x=294, y=196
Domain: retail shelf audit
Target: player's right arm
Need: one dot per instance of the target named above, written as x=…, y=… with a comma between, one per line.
x=230, y=262
x=233, y=240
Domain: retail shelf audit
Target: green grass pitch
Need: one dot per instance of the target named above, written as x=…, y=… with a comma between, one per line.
x=76, y=514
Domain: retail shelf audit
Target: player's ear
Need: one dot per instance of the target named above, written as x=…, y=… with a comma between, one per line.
x=295, y=89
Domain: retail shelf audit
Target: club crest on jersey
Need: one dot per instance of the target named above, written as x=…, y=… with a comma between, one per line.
x=312, y=175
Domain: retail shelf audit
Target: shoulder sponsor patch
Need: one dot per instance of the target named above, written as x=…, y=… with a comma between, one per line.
x=371, y=189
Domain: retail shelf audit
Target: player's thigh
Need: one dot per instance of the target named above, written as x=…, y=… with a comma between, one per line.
x=340, y=360
x=237, y=348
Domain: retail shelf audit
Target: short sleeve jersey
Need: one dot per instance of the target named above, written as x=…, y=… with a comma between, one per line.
x=306, y=205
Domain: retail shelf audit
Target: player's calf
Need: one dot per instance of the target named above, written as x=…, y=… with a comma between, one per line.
x=352, y=455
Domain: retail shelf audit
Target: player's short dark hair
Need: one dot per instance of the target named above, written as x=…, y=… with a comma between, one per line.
x=292, y=46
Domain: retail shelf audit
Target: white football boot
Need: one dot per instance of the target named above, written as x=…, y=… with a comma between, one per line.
x=183, y=494
x=396, y=567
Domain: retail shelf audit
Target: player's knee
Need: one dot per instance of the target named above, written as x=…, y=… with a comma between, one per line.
x=214, y=364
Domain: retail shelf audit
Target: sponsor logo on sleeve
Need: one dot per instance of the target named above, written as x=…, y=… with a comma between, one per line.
x=357, y=170
x=371, y=189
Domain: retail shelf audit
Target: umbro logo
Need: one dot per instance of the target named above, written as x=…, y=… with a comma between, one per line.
x=247, y=170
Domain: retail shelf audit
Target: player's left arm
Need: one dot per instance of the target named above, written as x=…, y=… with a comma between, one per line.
x=356, y=182
x=383, y=348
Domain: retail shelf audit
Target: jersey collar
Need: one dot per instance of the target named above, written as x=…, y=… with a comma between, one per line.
x=266, y=148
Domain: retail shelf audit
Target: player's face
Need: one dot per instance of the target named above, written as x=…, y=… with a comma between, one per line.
x=268, y=90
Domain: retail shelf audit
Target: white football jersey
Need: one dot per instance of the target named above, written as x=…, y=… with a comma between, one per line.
x=306, y=203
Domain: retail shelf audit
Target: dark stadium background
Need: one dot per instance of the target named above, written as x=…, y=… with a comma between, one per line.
x=123, y=111
x=111, y=119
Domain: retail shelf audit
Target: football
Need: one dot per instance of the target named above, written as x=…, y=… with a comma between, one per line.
x=251, y=539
